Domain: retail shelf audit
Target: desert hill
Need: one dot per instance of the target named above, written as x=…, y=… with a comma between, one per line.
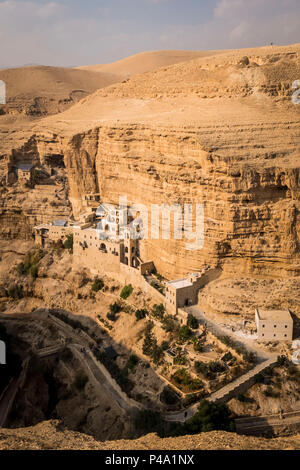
x=147, y=62
x=41, y=90
x=52, y=435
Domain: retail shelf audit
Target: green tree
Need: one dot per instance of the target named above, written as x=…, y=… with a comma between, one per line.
x=140, y=314
x=185, y=333
x=192, y=322
x=126, y=291
x=97, y=285
x=158, y=311
x=69, y=242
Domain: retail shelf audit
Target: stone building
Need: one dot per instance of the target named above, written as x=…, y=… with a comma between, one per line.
x=274, y=325
x=24, y=172
x=183, y=292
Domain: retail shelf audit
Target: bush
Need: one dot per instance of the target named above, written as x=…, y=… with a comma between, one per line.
x=97, y=285
x=269, y=392
x=132, y=362
x=180, y=359
x=169, y=396
x=282, y=361
x=185, y=333
x=34, y=271
x=209, y=417
x=215, y=366
x=150, y=346
x=141, y=313
x=148, y=421
x=182, y=378
x=249, y=357
x=15, y=291
x=80, y=381
x=30, y=263
x=158, y=311
x=259, y=379
x=69, y=242
x=192, y=322
x=202, y=368
x=169, y=323
x=198, y=346
x=111, y=316
x=115, y=308
x=126, y=291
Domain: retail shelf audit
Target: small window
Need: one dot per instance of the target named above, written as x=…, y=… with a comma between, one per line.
x=285, y=326
x=263, y=326
x=274, y=336
x=275, y=326
x=263, y=334
x=285, y=336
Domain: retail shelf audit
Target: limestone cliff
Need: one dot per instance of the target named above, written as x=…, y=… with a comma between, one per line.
x=220, y=131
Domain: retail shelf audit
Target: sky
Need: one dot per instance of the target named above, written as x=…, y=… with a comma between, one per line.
x=83, y=32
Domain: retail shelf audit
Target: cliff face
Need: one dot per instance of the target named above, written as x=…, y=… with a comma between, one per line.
x=158, y=139
x=251, y=213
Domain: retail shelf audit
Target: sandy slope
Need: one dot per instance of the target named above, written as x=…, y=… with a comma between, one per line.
x=147, y=62
x=43, y=89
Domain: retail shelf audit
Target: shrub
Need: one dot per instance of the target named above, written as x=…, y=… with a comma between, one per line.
x=148, y=421
x=30, y=263
x=169, y=323
x=215, y=366
x=133, y=360
x=148, y=340
x=209, y=417
x=165, y=345
x=269, y=392
x=80, y=380
x=150, y=346
x=34, y=271
x=15, y=291
x=282, y=361
x=158, y=311
x=68, y=243
x=192, y=322
x=126, y=291
x=198, y=346
x=97, y=285
x=180, y=359
x=259, y=379
x=185, y=333
x=169, y=396
x=249, y=357
x=241, y=398
x=202, y=368
x=111, y=316
x=115, y=308
x=140, y=314
x=183, y=378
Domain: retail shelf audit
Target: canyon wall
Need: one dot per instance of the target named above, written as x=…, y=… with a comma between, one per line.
x=251, y=213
